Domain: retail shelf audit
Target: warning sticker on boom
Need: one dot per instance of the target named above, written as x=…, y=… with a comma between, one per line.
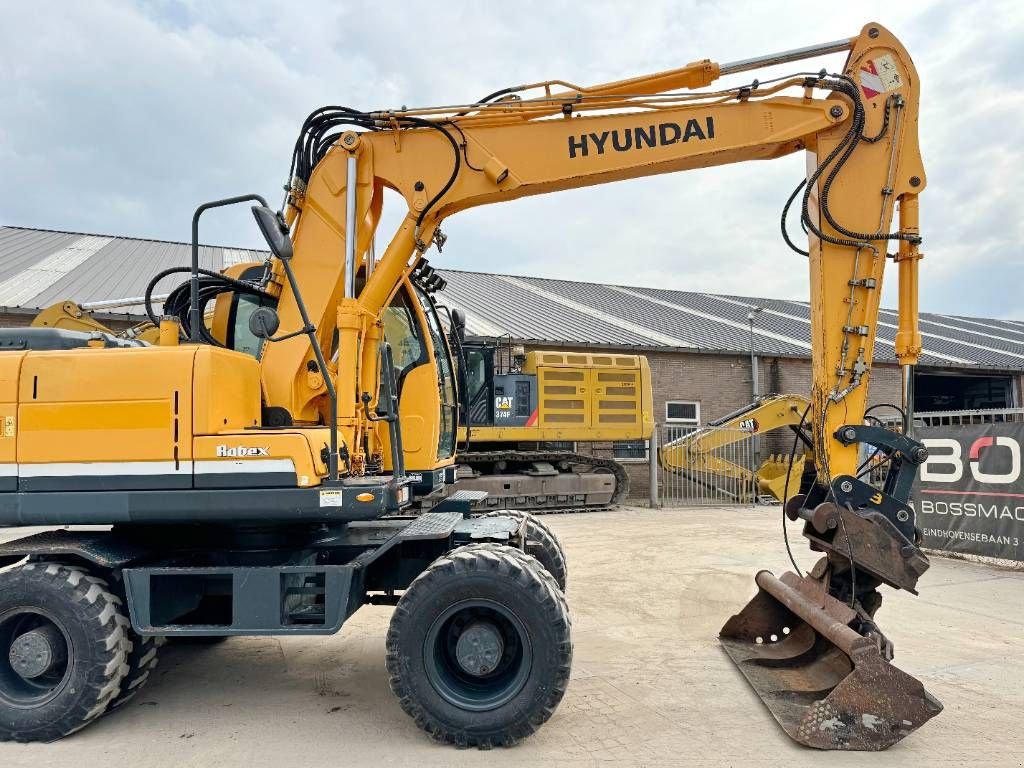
x=879, y=76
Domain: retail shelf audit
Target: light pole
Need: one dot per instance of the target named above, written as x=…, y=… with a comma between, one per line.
x=754, y=385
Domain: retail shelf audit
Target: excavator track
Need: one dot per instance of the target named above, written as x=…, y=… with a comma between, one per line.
x=564, y=492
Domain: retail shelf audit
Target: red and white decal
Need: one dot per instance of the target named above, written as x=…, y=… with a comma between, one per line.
x=879, y=76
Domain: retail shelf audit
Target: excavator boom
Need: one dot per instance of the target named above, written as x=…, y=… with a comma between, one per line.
x=448, y=159
x=858, y=128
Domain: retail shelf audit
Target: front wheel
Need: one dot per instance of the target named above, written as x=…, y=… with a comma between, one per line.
x=479, y=648
x=541, y=543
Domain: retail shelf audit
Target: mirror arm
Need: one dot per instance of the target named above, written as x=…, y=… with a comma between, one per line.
x=309, y=329
x=195, y=312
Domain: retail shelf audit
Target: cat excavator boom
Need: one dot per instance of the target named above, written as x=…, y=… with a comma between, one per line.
x=696, y=455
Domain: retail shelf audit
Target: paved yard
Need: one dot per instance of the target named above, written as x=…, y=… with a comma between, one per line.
x=651, y=686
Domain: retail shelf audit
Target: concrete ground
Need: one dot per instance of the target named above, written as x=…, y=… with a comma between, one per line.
x=651, y=686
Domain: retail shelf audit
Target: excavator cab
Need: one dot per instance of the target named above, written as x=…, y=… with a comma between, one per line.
x=498, y=392
x=524, y=415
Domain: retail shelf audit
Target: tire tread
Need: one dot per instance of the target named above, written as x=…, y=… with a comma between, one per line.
x=541, y=542
x=517, y=566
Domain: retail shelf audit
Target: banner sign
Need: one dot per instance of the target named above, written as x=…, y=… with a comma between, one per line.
x=970, y=492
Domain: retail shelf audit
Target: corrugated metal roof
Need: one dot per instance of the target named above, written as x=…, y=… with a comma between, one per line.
x=41, y=267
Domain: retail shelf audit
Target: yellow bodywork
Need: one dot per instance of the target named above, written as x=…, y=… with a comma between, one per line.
x=170, y=405
x=582, y=397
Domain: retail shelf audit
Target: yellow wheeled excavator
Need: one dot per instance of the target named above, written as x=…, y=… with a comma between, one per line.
x=265, y=494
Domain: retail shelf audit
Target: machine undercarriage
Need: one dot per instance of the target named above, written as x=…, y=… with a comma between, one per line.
x=543, y=480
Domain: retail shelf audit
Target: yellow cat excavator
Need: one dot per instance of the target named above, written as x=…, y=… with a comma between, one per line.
x=264, y=493
x=697, y=455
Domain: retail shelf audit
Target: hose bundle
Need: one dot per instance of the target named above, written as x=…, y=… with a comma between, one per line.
x=211, y=285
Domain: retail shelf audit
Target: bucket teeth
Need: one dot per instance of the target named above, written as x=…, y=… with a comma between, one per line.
x=827, y=686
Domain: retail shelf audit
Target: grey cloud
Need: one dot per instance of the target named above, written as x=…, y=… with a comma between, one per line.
x=120, y=117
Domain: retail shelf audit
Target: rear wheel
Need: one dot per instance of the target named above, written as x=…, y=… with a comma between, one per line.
x=517, y=553
x=63, y=649
x=541, y=543
x=479, y=649
x=141, y=660
x=140, y=653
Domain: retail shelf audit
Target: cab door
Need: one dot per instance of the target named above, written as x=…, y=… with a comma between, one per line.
x=476, y=408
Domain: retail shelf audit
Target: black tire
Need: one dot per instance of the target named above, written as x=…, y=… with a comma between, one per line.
x=518, y=553
x=140, y=653
x=142, y=658
x=85, y=623
x=487, y=585
x=542, y=543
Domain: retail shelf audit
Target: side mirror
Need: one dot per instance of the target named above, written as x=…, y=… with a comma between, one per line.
x=274, y=230
x=459, y=323
x=264, y=322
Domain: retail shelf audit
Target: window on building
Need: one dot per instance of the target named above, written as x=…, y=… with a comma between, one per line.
x=630, y=450
x=682, y=412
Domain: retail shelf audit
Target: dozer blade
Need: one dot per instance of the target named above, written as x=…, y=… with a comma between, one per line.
x=827, y=685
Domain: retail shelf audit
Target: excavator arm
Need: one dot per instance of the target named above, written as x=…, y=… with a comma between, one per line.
x=862, y=155
x=809, y=645
x=697, y=455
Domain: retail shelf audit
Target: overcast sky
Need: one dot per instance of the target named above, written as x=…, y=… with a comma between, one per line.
x=119, y=117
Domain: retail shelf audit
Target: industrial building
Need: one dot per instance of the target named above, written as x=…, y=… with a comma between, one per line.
x=702, y=347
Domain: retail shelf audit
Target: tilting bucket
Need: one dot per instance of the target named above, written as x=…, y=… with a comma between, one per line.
x=828, y=686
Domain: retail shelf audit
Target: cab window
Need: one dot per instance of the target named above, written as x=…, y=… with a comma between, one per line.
x=402, y=334
x=476, y=372
x=445, y=377
x=242, y=339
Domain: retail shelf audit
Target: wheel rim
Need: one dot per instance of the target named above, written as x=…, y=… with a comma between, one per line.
x=36, y=657
x=478, y=655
